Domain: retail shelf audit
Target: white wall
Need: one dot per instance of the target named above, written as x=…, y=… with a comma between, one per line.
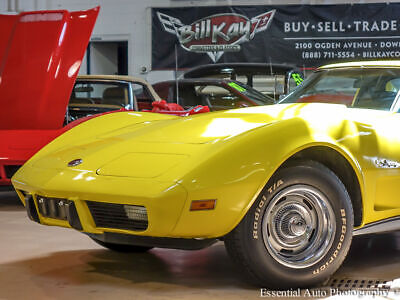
x=103, y=58
x=3, y=5
x=131, y=20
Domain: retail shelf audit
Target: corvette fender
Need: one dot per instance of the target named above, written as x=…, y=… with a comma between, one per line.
x=251, y=178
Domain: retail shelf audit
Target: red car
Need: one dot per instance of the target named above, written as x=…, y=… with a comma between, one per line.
x=40, y=56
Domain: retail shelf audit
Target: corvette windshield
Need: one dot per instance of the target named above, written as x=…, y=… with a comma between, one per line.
x=373, y=88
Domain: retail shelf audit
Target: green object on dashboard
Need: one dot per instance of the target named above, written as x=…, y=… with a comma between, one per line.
x=236, y=86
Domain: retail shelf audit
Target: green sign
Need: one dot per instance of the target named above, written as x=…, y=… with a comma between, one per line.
x=297, y=78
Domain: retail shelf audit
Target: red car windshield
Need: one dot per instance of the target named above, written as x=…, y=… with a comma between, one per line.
x=373, y=88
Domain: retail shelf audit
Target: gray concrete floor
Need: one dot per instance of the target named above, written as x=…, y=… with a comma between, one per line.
x=41, y=262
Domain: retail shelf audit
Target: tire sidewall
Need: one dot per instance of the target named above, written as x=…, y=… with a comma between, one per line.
x=263, y=264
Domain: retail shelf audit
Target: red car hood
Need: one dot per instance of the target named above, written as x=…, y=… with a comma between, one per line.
x=40, y=55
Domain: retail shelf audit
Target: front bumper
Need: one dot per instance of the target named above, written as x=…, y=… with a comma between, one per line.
x=72, y=217
x=97, y=204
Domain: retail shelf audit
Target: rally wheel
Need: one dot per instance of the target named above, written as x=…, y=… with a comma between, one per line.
x=298, y=231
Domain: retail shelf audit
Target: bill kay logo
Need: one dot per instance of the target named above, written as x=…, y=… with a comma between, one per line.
x=216, y=34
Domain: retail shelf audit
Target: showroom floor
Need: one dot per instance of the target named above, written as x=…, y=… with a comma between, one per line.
x=40, y=262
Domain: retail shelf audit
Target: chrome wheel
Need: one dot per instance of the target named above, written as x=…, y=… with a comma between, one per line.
x=298, y=226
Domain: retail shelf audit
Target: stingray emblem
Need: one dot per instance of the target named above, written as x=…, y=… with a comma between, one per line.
x=75, y=162
x=218, y=33
x=386, y=163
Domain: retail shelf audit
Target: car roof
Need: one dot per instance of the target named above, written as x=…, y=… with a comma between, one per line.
x=364, y=64
x=112, y=77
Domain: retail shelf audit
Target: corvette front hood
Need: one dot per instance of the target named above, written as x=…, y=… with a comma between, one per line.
x=141, y=165
x=211, y=128
x=203, y=128
x=147, y=145
x=40, y=56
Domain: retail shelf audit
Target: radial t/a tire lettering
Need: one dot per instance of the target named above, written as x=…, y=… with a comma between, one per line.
x=298, y=231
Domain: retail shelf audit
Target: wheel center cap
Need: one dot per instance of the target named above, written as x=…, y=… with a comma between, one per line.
x=297, y=226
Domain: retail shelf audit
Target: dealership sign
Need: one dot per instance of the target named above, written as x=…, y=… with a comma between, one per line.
x=303, y=35
x=216, y=34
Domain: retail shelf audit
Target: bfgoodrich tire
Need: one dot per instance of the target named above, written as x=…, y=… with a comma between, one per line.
x=122, y=247
x=298, y=231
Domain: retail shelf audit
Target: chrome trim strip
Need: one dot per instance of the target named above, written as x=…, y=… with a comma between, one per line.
x=391, y=224
x=132, y=99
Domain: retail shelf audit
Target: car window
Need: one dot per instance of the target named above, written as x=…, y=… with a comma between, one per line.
x=371, y=88
x=393, y=85
x=270, y=85
x=216, y=97
x=186, y=96
x=241, y=78
x=256, y=97
x=377, y=94
x=164, y=90
x=113, y=95
x=143, y=96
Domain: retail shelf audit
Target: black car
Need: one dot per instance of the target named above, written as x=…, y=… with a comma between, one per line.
x=217, y=94
x=275, y=80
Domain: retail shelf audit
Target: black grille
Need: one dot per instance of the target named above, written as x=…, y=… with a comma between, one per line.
x=119, y=216
x=11, y=170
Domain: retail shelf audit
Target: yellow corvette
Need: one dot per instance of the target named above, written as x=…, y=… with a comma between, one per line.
x=284, y=186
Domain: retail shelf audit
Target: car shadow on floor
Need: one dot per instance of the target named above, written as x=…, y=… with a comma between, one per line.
x=207, y=268
x=370, y=257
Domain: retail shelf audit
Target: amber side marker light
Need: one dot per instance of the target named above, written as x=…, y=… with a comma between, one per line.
x=203, y=204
